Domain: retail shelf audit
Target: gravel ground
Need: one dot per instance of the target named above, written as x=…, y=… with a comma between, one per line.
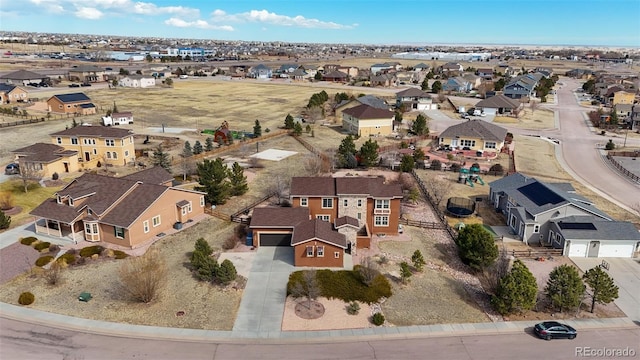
x=335, y=316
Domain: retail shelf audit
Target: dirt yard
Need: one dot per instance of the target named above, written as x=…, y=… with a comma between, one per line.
x=529, y=118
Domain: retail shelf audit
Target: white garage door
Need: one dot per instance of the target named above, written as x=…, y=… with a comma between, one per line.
x=490, y=111
x=577, y=250
x=616, y=250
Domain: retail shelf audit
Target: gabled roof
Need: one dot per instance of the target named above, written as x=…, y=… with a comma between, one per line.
x=346, y=221
x=368, y=112
x=421, y=66
x=476, y=129
x=23, y=75
x=97, y=131
x=260, y=67
x=335, y=74
x=316, y=229
x=373, y=101
x=153, y=175
x=412, y=92
x=125, y=213
x=498, y=101
x=43, y=152
x=278, y=217
x=592, y=228
x=71, y=98
x=331, y=187
x=5, y=88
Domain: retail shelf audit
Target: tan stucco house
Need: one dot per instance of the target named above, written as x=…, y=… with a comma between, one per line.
x=476, y=135
x=47, y=159
x=75, y=103
x=97, y=145
x=10, y=94
x=365, y=120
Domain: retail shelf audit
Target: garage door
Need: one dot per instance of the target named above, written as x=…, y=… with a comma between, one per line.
x=577, y=250
x=275, y=239
x=616, y=250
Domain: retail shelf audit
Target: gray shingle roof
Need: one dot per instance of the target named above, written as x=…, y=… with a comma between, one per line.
x=412, y=92
x=43, y=152
x=368, y=112
x=23, y=75
x=601, y=230
x=498, y=101
x=373, y=101
x=477, y=129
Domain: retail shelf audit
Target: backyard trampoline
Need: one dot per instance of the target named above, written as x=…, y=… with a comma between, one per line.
x=460, y=207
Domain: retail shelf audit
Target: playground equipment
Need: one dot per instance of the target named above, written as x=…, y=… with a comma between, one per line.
x=470, y=176
x=460, y=207
x=223, y=136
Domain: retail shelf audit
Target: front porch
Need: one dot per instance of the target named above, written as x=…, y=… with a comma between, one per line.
x=57, y=229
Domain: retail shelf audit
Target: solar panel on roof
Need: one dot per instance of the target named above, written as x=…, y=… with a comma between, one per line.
x=576, y=226
x=540, y=194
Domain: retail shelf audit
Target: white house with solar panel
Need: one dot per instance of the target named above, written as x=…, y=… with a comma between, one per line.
x=553, y=215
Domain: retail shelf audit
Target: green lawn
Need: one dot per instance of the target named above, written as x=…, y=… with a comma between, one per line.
x=26, y=201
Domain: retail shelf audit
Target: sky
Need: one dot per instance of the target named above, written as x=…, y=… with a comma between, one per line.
x=526, y=22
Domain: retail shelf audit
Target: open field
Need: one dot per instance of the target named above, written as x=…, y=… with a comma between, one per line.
x=26, y=201
x=538, y=119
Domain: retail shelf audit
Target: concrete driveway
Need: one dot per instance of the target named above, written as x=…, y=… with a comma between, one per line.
x=626, y=273
x=262, y=305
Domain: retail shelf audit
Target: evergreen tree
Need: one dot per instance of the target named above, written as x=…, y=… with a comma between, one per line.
x=397, y=119
x=346, y=150
x=197, y=148
x=200, y=253
x=288, y=122
x=407, y=163
x=74, y=123
x=297, y=129
x=603, y=289
x=208, y=144
x=5, y=220
x=226, y=273
x=369, y=153
x=405, y=272
x=418, y=155
x=425, y=83
x=238, y=180
x=307, y=128
x=257, y=129
x=517, y=291
x=318, y=76
x=436, y=87
x=419, y=126
x=161, y=158
x=565, y=287
x=213, y=180
x=418, y=260
x=115, y=107
x=476, y=246
x=187, y=151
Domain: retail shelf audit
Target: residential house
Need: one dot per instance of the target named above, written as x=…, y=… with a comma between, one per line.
x=546, y=72
x=376, y=68
x=129, y=211
x=634, y=119
x=552, y=214
x=451, y=69
x=335, y=76
x=623, y=111
x=620, y=97
x=47, y=159
x=485, y=73
x=87, y=74
x=506, y=70
x=97, y=145
x=74, y=103
x=370, y=100
x=137, y=81
x=330, y=218
x=287, y=68
x=475, y=135
x=23, y=77
x=472, y=79
x=327, y=68
x=521, y=87
x=383, y=80
x=394, y=65
x=260, y=71
x=580, y=74
x=498, y=105
x=457, y=84
x=351, y=71
x=408, y=77
x=422, y=67
x=10, y=93
x=365, y=120
x=414, y=99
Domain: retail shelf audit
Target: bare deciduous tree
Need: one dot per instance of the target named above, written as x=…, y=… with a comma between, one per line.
x=187, y=166
x=439, y=188
x=307, y=288
x=315, y=113
x=533, y=106
x=496, y=271
x=29, y=174
x=280, y=185
x=142, y=277
x=368, y=270
x=313, y=164
x=53, y=275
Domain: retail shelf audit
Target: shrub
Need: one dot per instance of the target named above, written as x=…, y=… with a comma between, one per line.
x=119, y=254
x=5, y=221
x=436, y=164
x=230, y=242
x=377, y=319
x=455, y=167
x=44, y=260
x=67, y=258
x=41, y=246
x=142, y=278
x=226, y=273
x=54, y=274
x=346, y=285
x=89, y=251
x=53, y=248
x=55, y=176
x=26, y=298
x=496, y=169
x=353, y=308
x=72, y=251
x=28, y=240
x=610, y=145
x=6, y=200
x=240, y=231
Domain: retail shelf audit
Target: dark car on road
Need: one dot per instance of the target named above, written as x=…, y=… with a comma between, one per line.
x=554, y=330
x=12, y=169
x=74, y=85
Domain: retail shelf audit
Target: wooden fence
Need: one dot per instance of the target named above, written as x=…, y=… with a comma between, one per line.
x=237, y=216
x=425, y=193
x=21, y=122
x=423, y=224
x=622, y=169
x=539, y=254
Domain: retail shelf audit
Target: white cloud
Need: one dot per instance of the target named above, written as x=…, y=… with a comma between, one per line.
x=152, y=9
x=200, y=24
x=264, y=16
x=120, y=7
x=89, y=13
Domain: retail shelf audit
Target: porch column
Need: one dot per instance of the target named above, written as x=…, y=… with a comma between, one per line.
x=73, y=234
x=35, y=224
x=59, y=229
x=46, y=225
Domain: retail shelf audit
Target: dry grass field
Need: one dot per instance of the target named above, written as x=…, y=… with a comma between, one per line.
x=528, y=119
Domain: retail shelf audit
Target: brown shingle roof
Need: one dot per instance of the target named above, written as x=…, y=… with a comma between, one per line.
x=344, y=221
x=367, y=112
x=154, y=175
x=498, y=101
x=103, y=191
x=318, y=230
x=136, y=202
x=313, y=186
x=42, y=152
x=281, y=217
x=476, y=129
x=50, y=209
x=327, y=186
x=412, y=92
x=97, y=131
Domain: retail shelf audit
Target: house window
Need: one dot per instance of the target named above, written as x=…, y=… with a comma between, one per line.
x=91, y=228
x=114, y=155
x=108, y=155
x=382, y=204
x=74, y=141
x=309, y=251
x=345, y=202
x=145, y=226
x=70, y=202
x=320, y=251
x=536, y=229
x=95, y=151
x=110, y=142
x=126, y=153
x=490, y=145
x=156, y=220
x=512, y=221
x=59, y=141
x=336, y=255
x=359, y=202
x=381, y=221
x=119, y=232
x=201, y=201
x=184, y=210
x=89, y=141
x=89, y=212
x=467, y=143
x=304, y=202
x=189, y=207
x=359, y=216
x=327, y=203
x=324, y=217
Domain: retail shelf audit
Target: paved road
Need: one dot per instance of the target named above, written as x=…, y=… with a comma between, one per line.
x=25, y=341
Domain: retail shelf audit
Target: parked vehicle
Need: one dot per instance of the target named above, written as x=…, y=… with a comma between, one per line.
x=74, y=85
x=12, y=169
x=85, y=84
x=554, y=330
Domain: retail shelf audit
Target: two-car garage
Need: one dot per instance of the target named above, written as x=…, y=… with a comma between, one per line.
x=274, y=239
x=601, y=249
